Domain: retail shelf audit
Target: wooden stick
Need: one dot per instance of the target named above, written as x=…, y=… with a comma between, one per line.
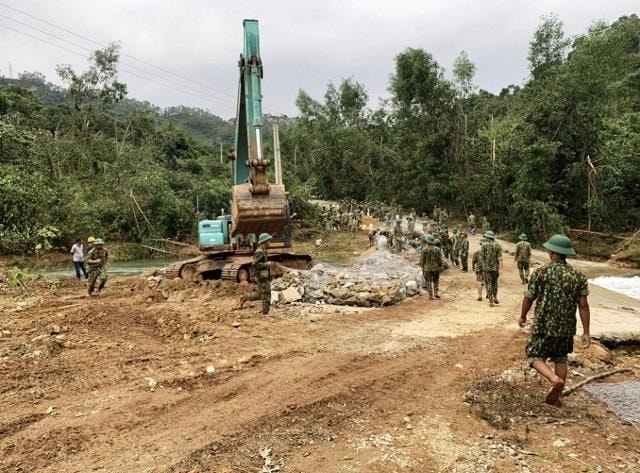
x=606, y=374
x=158, y=249
x=575, y=230
x=173, y=242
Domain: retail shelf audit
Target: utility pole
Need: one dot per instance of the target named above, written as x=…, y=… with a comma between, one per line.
x=221, y=153
x=276, y=152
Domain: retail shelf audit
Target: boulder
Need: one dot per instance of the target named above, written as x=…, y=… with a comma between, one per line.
x=314, y=295
x=290, y=294
x=412, y=288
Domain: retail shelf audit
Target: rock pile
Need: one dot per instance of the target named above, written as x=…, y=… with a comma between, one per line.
x=379, y=279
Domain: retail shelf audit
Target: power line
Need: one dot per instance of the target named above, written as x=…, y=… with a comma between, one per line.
x=226, y=101
x=197, y=95
x=127, y=55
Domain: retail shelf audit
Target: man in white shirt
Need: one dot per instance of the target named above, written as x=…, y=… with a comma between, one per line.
x=77, y=255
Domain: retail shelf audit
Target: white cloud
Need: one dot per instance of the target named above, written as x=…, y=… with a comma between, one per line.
x=304, y=44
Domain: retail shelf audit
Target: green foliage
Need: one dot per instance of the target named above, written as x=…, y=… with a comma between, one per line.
x=17, y=277
x=522, y=158
x=548, y=47
x=99, y=83
x=92, y=166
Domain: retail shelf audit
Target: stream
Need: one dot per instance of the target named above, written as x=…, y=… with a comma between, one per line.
x=118, y=268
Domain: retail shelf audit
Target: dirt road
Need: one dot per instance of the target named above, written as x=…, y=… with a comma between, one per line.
x=179, y=382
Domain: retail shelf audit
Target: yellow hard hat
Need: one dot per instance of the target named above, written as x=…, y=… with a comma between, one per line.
x=91, y=239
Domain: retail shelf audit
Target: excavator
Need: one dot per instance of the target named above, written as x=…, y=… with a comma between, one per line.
x=227, y=243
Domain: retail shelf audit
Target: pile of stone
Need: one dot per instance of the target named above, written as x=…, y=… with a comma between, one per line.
x=380, y=279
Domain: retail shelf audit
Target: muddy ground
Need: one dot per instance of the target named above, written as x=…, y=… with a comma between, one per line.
x=144, y=380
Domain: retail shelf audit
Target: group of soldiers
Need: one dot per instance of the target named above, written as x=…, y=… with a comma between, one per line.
x=557, y=287
x=345, y=216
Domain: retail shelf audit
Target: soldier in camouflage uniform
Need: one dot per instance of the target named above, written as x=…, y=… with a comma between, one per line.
x=260, y=272
x=431, y=264
x=455, y=247
x=411, y=226
x=476, y=265
x=397, y=237
x=485, y=225
x=97, y=259
x=447, y=245
x=463, y=248
x=491, y=254
x=372, y=237
x=472, y=224
x=558, y=290
x=523, y=258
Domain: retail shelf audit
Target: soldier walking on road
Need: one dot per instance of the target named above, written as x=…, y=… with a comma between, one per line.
x=485, y=225
x=491, y=254
x=558, y=290
x=397, y=236
x=411, y=225
x=463, y=248
x=523, y=257
x=97, y=259
x=260, y=272
x=431, y=264
x=476, y=265
x=455, y=247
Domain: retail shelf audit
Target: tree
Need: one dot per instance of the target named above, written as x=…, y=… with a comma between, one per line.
x=98, y=84
x=464, y=70
x=548, y=47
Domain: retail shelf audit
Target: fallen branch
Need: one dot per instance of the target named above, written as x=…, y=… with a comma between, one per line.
x=173, y=242
x=596, y=377
x=575, y=230
x=158, y=249
x=627, y=242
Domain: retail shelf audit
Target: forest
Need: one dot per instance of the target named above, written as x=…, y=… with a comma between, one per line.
x=561, y=149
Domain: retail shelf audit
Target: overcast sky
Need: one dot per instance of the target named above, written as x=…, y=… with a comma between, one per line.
x=305, y=44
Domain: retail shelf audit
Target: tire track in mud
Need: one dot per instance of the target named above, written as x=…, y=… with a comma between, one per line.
x=233, y=408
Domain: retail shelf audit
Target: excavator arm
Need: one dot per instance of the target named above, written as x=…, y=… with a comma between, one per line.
x=256, y=205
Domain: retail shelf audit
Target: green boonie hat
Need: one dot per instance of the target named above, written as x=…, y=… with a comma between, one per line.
x=263, y=238
x=436, y=241
x=430, y=239
x=523, y=237
x=560, y=244
x=99, y=241
x=490, y=234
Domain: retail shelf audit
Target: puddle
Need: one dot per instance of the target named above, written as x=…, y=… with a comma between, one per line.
x=622, y=398
x=627, y=286
x=119, y=268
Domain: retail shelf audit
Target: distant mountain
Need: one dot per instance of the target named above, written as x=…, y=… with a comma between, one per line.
x=201, y=125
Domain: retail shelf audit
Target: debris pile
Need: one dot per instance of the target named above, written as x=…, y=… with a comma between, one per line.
x=379, y=279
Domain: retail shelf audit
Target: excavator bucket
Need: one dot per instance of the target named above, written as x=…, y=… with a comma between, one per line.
x=258, y=213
